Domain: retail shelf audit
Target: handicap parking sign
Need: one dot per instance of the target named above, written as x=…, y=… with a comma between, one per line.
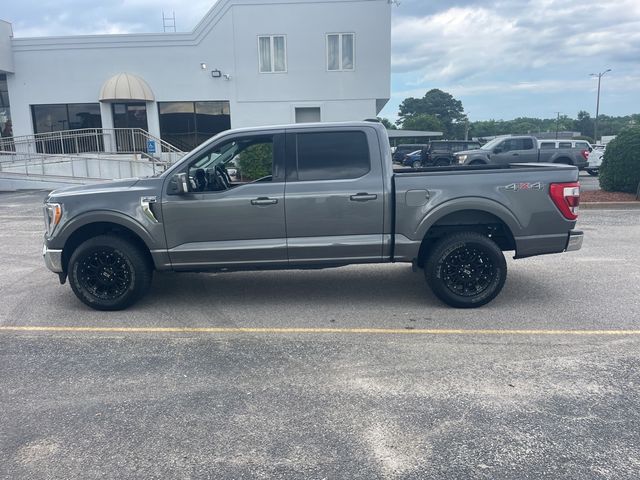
x=151, y=146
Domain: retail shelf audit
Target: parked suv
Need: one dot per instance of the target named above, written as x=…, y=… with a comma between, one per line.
x=405, y=149
x=438, y=153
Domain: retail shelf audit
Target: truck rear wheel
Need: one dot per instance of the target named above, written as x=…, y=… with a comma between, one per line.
x=109, y=273
x=466, y=270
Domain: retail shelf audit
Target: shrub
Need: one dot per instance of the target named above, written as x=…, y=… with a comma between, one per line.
x=255, y=161
x=620, y=169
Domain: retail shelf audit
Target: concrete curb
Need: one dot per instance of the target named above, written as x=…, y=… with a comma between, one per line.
x=618, y=205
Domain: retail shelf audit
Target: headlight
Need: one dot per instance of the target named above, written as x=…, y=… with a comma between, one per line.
x=52, y=216
x=462, y=159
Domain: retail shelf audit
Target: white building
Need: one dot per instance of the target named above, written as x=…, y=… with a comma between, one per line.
x=248, y=62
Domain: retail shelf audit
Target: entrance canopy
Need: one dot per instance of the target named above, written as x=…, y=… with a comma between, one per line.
x=126, y=86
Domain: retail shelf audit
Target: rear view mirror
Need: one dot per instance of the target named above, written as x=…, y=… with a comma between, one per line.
x=497, y=150
x=182, y=183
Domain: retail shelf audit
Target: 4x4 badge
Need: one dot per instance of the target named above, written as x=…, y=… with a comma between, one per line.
x=524, y=186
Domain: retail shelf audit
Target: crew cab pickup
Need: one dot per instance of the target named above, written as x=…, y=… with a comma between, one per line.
x=526, y=149
x=308, y=196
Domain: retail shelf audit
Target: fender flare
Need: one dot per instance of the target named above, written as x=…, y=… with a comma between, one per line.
x=468, y=203
x=105, y=216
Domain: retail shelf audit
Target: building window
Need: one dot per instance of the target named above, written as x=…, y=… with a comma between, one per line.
x=340, y=52
x=73, y=116
x=307, y=114
x=61, y=117
x=187, y=124
x=272, y=51
x=6, y=128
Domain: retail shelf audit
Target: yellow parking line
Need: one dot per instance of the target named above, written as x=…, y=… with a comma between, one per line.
x=366, y=331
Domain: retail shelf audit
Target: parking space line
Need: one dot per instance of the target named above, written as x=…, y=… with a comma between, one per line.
x=301, y=330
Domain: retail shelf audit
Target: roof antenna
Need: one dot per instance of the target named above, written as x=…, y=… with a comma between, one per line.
x=169, y=22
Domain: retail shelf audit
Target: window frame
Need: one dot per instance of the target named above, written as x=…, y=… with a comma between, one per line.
x=272, y=53
x=340, y=35
x=277, y=169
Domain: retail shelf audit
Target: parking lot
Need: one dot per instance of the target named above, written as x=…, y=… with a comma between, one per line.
x=356, y=372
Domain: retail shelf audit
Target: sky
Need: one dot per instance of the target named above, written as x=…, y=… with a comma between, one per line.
x=502, y=58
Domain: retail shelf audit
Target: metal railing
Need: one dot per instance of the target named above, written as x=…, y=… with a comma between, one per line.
x=78, y=167
x=93, y=140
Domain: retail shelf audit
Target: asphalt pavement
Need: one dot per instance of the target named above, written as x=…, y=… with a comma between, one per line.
x=356, y=372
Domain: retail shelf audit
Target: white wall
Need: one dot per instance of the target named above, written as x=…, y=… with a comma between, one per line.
x=73, y=69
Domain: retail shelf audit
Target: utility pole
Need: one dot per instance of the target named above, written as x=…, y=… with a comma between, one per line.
x=557, y=123
x=599, y=75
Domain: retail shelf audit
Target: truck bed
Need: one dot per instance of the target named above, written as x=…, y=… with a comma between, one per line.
x=515, y=196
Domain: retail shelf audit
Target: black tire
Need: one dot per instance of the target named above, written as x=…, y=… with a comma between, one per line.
x=592, y=172
x=109, y=273
x=442, y=162
x=465, y=270
x=416, y=164
x=476, y=162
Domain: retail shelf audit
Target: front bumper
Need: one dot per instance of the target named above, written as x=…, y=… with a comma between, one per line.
x=575, y=241
x=52, y=259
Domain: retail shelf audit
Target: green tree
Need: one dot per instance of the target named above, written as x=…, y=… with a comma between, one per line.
x=441, y=105
x=387, y=123
x=256, y=161
x=620, y=169
x=423, y=122
x=584, y=124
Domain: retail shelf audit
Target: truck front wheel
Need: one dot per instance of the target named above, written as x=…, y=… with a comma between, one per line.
x=466, y=270
x=109, y=273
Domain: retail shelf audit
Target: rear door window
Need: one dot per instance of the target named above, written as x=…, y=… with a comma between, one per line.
x=332, y=155
x=547, y=145
x=564, y=145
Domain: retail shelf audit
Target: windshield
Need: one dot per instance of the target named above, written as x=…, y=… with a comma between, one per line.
x=492, y=144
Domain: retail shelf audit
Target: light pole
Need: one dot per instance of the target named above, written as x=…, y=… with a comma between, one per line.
x=599, y=75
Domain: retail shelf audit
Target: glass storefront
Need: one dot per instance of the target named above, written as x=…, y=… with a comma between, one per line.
x=187, y=124
x=72, y=116
x=6, y=128
x=61, y=117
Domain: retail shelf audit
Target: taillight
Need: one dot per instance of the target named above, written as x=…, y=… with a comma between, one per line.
x=566, y=197
x=585, y=154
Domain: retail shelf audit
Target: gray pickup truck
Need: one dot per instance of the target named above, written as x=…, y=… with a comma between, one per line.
x=308, y=196
x=526, y=149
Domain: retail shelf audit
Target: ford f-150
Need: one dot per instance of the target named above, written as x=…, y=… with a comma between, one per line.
x=308, y=196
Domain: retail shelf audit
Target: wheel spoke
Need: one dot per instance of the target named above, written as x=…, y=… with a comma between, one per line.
x=468, y=271
x=105, y=273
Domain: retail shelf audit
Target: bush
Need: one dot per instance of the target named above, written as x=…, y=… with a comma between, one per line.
x=256, y=161
x=620, y=169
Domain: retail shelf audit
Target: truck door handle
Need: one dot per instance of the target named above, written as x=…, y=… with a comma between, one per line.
x=515, y=154
x=264, y=201
x=363, y=197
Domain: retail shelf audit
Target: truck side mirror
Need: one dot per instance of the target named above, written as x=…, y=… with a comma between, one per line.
x=497, y=150
x=182, y=183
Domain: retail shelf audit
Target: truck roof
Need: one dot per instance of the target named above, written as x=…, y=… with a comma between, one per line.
x=310, y=125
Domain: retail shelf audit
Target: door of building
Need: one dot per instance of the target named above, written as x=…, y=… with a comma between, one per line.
x=132, y=115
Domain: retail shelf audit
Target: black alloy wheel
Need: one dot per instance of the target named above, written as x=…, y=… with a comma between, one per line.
x=105, y=273
x=466, y=270
x=109, y=273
